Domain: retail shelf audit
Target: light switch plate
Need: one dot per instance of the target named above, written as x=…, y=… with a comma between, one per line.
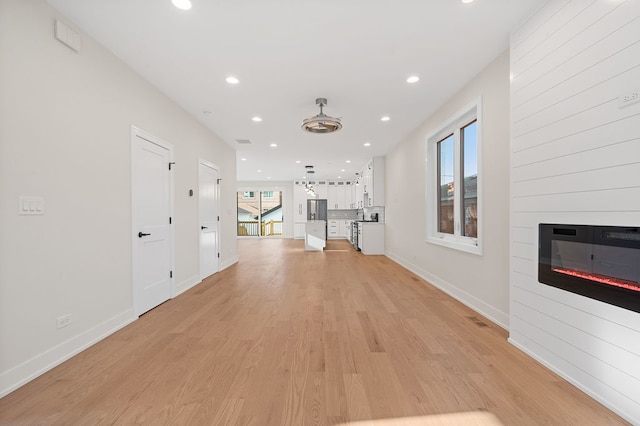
x=30, y=205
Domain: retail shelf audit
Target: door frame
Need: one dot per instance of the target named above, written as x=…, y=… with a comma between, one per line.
x=206, y=163
x=139, y=133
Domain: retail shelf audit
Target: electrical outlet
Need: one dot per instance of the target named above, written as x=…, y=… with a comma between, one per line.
x=63, y=321
x=629, y=98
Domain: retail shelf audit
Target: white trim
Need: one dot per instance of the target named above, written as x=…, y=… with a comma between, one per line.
x=135, y=133
x=229, y=262
x=458, y=242
x=187, y=284
x=484, y=309
x=562, y=373
x=30, y=369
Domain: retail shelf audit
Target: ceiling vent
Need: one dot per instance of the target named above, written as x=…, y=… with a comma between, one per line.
x=243, y=141
x=321, y=123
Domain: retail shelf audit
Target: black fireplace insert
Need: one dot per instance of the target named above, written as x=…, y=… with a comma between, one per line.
x=600, y=262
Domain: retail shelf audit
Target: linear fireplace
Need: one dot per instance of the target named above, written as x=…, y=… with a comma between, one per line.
x=600, y=262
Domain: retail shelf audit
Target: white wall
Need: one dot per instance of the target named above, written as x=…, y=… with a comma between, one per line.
x=287, y=199
x=478, y=281
x=575, y=158
x=65, y=136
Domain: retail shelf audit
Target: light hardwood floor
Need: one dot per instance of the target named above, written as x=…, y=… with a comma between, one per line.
x=288, y=337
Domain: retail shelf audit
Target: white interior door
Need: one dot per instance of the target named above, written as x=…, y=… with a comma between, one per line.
x=151, y=204
x=208, y=202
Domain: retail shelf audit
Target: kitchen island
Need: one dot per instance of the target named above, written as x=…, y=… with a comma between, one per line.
x=315, y=235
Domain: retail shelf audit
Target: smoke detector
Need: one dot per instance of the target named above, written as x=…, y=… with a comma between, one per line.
x=321, y=123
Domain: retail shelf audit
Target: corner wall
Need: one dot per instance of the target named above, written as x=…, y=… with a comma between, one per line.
x=575, y=159
x=478, y=281
x=65, y=121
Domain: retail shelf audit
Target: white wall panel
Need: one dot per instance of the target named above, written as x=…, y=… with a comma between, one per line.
x=601, y=179
x=595, y=21
x=601, y=158
x=575, y=158
x=620, y=130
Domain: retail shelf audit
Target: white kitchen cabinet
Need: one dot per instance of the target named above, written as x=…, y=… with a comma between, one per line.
x=370, y=191
x=299, y=209
x=333, y=229
x=339, y=195
x=321, y=189
x=371, y=237
x=345, y=228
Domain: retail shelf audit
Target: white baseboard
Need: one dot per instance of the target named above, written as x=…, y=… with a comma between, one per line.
x=224, y=265
x=23, y=373
x=604, y=401
x=187, y=284
x=498, y=317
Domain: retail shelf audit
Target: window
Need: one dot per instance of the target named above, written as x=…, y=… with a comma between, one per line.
x=453, y=182
x=260, y=213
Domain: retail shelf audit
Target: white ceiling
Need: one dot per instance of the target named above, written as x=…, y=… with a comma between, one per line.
x=287, y=53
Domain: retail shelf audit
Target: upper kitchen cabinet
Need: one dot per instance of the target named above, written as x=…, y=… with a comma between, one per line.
x=339, y=195
x=370, y=190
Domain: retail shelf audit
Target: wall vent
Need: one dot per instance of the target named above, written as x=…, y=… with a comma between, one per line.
x=243, y=141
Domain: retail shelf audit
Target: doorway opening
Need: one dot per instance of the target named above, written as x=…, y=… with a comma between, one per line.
x=260, y=214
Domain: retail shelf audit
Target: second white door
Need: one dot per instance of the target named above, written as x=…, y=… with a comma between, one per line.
x=208, y=202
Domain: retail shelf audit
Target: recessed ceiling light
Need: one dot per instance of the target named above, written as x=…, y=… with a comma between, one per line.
x=339, y=177
x=385, y=118
x=467, y=1
x=268, y=177
x=182, y=4
x=273, y=145
x=257, y=119
x=348, y=161
x=243, y=159
x=367, y=144
x=259, y=171
x=413, y=79
x=297, y=161
x=232, y=80
x=342, y=170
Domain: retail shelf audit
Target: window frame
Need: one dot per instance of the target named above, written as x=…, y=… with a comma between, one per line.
x=454, y=125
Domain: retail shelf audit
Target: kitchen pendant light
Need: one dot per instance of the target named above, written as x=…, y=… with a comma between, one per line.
x=321, y=123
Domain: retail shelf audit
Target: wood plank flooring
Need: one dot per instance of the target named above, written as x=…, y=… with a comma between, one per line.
x=288, y=337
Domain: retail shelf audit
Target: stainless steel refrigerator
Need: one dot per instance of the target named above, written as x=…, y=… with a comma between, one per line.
x=316, y=209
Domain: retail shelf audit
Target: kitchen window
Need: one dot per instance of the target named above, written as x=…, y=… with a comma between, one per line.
x=453, y=182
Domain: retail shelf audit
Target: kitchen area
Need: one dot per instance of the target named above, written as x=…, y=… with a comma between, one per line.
x=347, y=209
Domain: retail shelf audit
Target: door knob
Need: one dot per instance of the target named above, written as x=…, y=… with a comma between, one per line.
x=204, y=227
x=141, y=234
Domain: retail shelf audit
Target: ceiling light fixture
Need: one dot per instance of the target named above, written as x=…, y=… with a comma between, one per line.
x=307, y=187
x=257, y=119
x=182, y=4
x=273, y=145
x=232, y=80
x=413, y=79
x=385, y=118
x=367, y=144
x=321, y=123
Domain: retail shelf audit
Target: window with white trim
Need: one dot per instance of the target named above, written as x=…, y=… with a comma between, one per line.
x=453, y=182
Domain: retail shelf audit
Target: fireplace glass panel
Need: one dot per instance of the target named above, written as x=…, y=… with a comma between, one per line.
x=618, y=266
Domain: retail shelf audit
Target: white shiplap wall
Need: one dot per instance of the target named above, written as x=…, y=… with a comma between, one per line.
x=575, y=158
